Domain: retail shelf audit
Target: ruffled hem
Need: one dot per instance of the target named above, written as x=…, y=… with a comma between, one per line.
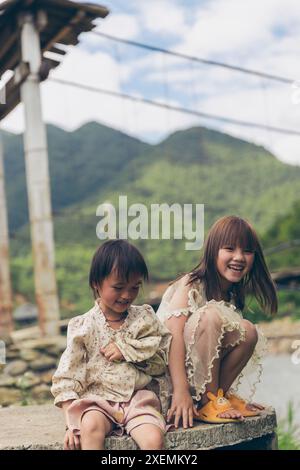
x=254, y=367
x=177, y=313
x=227, y=326
x=231, y=321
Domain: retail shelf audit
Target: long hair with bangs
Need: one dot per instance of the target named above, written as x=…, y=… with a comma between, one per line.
x=235, y=231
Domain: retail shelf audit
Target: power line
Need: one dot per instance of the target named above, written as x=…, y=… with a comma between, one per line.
x=195, y=59
x=176, y=108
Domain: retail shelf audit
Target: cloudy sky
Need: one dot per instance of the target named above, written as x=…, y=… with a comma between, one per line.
x=259, y=35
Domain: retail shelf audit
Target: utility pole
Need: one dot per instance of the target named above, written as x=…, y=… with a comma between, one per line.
x=37, y=176
x=6, y=318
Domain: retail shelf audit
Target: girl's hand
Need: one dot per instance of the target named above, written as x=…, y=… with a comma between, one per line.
x=112, y=352
x=182, y=407
x=71, y=442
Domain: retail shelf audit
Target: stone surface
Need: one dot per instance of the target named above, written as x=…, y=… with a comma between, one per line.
x=56, y=350
x=10, y=355
x=7, y=338
x=26, y=376
x=28, y=380
x=42, y=427
x=46, y=377
x=41, y=392
x=43, y=343
x=281, y=334
x=43, y=363
x=15, y=368
x=29, y=355
x=7, y=380
x=9, y=396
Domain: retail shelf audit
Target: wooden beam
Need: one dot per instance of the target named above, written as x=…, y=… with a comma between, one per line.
x=64, y=31
x=57, y=50
x=91, y=9
x=13, y=89
x=8, y=37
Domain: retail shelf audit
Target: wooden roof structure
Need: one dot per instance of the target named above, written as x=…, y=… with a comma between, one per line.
x=59, y=22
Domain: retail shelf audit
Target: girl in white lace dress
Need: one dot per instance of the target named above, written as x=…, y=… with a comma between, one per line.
x=215, y=353
x=103, y=380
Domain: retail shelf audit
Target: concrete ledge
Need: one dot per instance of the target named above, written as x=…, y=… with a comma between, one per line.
x=42, y=427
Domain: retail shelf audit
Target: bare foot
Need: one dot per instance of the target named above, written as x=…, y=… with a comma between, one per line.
x=254, y=407
x=231, y=414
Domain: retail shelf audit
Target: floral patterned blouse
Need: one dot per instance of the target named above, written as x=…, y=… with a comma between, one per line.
x=84, y=371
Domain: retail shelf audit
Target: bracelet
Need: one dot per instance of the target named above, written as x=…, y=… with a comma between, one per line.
x=67, y=428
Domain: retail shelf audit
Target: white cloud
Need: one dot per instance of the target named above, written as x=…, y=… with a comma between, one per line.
x=241, y=33
x=69, y=107
x=163, y=17
x=235, y=28
x=123, y=25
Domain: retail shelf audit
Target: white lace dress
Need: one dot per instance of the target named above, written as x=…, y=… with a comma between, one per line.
x=210, y=326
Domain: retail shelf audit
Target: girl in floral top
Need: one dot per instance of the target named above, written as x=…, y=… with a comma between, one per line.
x=113, y=352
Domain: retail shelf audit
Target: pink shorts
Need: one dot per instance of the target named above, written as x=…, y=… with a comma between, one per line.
x=142, y=408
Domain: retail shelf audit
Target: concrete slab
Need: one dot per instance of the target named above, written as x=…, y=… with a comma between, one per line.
x=42, y=427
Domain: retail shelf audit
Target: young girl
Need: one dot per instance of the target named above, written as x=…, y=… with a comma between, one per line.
x=112, y=353
x=214, y=351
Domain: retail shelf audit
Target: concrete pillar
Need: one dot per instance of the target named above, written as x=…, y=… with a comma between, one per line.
x=38, y=185
x=6, y=318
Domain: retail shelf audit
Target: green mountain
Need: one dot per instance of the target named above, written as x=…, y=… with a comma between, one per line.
x=80, y=163
x=283, y=238
x=96, y=164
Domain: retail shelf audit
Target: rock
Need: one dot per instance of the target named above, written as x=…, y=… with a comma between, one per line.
x=29, y=355
x=12, y=355
x=41, y=392
x=42, y=344
x=7, y=381
x=43, y=363
x=6, y=338
x=46, y=377
x=14, y=347
x=56, y=350
x=8, y=396
x=15, y=368
x=28, y=380
x=281, y=333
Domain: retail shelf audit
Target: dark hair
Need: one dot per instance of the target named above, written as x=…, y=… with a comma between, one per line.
x=235, y=231
x=119, y=256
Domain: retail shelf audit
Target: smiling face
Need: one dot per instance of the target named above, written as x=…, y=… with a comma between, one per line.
x=117, y=294
x=233, y=263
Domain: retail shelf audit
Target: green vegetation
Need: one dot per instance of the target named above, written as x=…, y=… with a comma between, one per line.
x=96, y=164
x=288, y=432
x=285, y=228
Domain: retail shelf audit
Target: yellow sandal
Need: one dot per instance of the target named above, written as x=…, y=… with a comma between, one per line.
x=217, y=404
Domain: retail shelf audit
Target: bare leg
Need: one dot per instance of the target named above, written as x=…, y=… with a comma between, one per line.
x=235, y=359
x=148, y=437
x=210, y=327
x=94, y=427
x=213, y=387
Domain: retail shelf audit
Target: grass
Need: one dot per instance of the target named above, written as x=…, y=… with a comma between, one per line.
x=288, y=431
